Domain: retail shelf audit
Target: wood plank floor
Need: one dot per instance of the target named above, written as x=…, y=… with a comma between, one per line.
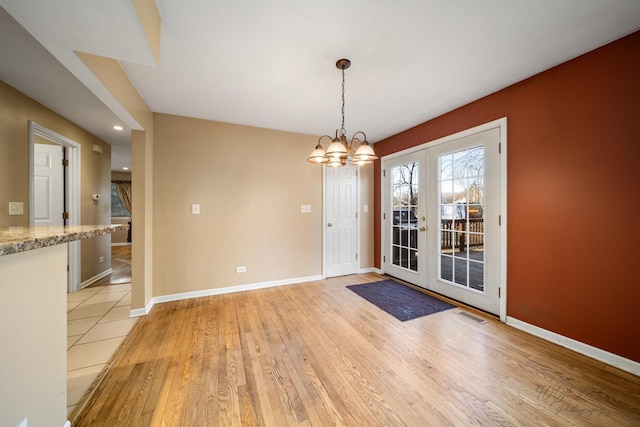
x=121, y=266
x=316, y=354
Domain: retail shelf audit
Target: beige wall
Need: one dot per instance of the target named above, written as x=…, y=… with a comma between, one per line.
x=120, y=176
x=16, y=110
x=33, y=330
x=367, y=257
x=250, y=183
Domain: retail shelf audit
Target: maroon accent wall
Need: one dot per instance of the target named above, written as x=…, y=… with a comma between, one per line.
x=573, y=256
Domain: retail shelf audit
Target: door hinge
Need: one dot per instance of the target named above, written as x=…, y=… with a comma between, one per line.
x=384, y=216
x=499, y=220
x=65, y=215
x=499, y=292
x=356, y=257
x=384, y=258
x=384, y=172
x=356, y=215
x=67, y=268
x=65, y=162
x=499, y=147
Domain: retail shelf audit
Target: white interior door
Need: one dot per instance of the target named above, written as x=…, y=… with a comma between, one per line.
x=48, y=185
x=464, y=217
x=72, y=190
x=341, y=221
x=404, y=218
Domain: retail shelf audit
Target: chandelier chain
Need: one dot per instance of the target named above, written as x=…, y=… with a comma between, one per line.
x=343, y=131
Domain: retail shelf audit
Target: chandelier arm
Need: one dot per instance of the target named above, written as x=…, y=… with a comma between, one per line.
x=363, y=134
x=324, y=136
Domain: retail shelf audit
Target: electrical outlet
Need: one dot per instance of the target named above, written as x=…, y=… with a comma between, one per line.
x=241, y=269
x=101, y=259
x=195, y=209
x=305, y=208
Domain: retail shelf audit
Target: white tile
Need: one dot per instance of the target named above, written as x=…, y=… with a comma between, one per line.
x=72, y=340
x=82, y=295
x=70, y=409
x=72, y=304
x=91, y=354
x=126, y=300
x=117, y=313
x=106, y=297
x=79, y=381
x=115, y=288
x=81, y=326
x=104, y=331
x=90, y=310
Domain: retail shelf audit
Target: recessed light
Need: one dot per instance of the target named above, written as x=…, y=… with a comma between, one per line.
x=125, y=168
x=118, y=127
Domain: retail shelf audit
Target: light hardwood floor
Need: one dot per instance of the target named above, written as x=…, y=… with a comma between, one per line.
x=121, y=266
x=316, y=354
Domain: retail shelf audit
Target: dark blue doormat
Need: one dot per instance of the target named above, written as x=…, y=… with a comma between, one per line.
x=402, y=302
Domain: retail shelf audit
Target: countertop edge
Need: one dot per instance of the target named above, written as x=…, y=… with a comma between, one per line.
x=31, y=238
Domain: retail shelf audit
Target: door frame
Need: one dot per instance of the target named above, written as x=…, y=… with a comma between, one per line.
x=324, y=220
x=502, y=125
x=72, y=188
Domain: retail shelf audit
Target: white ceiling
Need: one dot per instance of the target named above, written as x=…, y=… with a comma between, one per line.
x=272, y=64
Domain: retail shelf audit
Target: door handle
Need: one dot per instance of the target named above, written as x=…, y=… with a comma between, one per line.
x=423, y=228
x=329, y=225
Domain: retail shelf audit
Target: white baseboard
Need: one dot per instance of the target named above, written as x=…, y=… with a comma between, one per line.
x=95, y=278
x=370, y=270
x=219, y=291
x=141, y=311
x=121, y=244
x=577, y=346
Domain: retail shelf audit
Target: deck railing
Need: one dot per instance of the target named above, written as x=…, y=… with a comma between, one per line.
x=457, y=231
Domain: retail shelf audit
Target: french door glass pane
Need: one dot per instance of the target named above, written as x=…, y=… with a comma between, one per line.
x=404, y=239
x=461, y=200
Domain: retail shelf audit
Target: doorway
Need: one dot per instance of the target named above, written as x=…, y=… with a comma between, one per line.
x=341, y=221
x=71, y=178
x=444, y=217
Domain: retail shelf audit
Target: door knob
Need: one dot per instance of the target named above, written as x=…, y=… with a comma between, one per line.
x=329, y=225
x=423, y=228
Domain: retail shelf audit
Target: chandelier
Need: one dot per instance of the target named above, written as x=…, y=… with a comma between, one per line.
x=340, y=150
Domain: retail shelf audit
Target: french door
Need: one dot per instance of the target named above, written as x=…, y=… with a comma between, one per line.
x=405, y=218
x=442, y=219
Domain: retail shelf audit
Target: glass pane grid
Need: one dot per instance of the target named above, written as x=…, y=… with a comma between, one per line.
x=461, y=200
x=404, y=216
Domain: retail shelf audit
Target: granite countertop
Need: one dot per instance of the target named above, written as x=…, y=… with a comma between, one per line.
x=20, y=239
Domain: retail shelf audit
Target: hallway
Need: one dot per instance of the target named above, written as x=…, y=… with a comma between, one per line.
x=97, y=324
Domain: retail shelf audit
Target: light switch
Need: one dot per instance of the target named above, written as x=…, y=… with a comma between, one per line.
x=16, y=208
x=305, y=208
x=365, y=208
x=195, y=209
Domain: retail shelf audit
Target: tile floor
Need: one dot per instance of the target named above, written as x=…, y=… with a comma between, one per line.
x=97, y=323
